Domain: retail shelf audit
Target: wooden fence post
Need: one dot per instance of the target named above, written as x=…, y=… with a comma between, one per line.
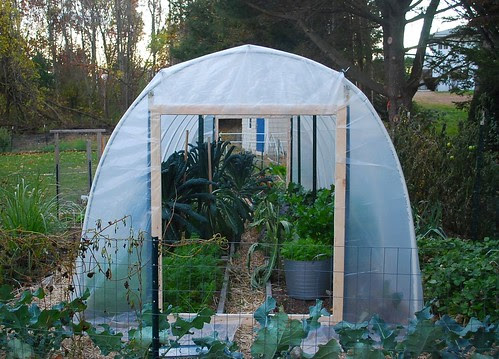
x=339, y=215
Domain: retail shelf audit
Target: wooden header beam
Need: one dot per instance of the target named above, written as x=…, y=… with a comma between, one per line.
x=246, y=110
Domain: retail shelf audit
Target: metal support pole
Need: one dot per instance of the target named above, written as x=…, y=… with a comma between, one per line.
x=155, y=298
x=298, y=128
x=290, y=154
x=314, y=155
x=89, y=164
x=57, y=184
x=478, y=179
x=200, y=129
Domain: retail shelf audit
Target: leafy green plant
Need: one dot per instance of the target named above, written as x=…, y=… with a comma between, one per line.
x=277, y=170
x=179, y=193
x=461, y=276
x=279, y=335
x=267, y=215
x=192, y=275
x=316, y=220
x=26, y=207
x=29, y=331
x=194, y=204
x=171, y=333
x=428, y=220
x=306, y=249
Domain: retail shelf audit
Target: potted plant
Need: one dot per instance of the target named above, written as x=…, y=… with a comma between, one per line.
x=308, y=265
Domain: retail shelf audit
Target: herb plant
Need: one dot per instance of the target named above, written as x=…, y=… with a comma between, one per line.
x=306, y=249
x=192, y=275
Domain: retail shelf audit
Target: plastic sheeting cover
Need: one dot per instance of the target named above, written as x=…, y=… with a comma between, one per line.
x=382, y=269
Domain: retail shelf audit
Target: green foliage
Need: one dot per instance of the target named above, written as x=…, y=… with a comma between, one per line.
x=4, y=139
x=192, y=275
x=278, y=335
x=312, y=217
x=178, y=195
x=26, y=207
x=19, y=94
x=278, y=170
x=29, y=331
x=140, y=339
x=461, y=276
x=215, y=348
x=306, y=249
x=441, y=170
x=188, y=204
x=275, y=229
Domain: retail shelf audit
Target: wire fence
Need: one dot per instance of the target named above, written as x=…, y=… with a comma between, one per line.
x=214, y=278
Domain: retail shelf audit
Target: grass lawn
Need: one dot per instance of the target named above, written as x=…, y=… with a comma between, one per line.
x=443, y=103
x=33, y=166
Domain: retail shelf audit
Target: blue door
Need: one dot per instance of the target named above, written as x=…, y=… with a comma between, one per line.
x=260, y=134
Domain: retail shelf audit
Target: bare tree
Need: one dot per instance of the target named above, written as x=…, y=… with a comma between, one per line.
x=390, y=16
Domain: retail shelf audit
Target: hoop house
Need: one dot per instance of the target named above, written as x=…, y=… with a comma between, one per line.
x=376, y=267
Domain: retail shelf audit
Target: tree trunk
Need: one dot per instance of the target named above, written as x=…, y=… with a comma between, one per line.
x=394, y=54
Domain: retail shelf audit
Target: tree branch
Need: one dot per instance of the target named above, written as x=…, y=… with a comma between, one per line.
x=336, y=56
x=423, y=14
x=343, y=63
x=417, y=64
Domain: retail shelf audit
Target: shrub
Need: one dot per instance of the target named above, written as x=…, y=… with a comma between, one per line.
x=4, y=139
x=441, y=170
x=192, y=275
x=461, y=276
x=26, y=207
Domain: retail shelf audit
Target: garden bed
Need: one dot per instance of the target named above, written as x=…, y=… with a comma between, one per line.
x=291, y=305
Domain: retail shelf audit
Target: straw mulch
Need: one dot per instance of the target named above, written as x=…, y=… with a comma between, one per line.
x=243, y=298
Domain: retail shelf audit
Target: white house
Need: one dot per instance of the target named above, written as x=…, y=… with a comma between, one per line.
x=442, y=53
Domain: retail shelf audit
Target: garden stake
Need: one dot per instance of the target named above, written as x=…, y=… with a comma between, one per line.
x=298, y=128
x=57, y=185
x=209, y=165
x=200, y=129
x=314, y=155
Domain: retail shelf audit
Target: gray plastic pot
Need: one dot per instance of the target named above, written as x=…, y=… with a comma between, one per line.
x=308, y=280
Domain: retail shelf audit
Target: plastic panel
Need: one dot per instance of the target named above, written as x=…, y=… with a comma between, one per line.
x=382, y=270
